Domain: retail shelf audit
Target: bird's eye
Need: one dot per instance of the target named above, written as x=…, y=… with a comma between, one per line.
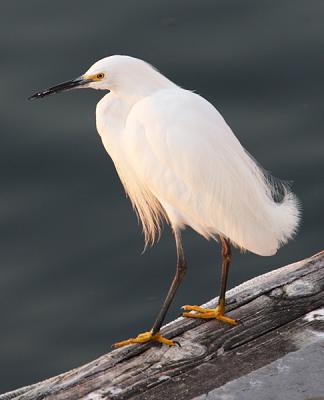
x=100, y=76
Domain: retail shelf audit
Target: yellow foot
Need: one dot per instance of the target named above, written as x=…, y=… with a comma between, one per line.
x=217, y=313
x=145, y=337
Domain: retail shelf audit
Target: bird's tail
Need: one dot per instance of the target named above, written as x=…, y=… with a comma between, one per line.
x=271, y=210
x=286, y=208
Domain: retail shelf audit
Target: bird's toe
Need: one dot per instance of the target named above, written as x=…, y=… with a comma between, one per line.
x=208, y=313
x=144, y=338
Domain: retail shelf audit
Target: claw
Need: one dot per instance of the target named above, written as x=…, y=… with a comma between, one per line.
x=198, y=308
x=208, y=313
x=145, y=337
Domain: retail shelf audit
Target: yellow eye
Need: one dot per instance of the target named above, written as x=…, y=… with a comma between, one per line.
x=100, y=76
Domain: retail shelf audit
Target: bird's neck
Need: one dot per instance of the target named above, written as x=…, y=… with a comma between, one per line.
x=137, y=86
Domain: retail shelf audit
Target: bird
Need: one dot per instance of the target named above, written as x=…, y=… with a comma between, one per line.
x=181, y=164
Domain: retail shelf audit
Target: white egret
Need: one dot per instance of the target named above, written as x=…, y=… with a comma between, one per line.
x=179, y=161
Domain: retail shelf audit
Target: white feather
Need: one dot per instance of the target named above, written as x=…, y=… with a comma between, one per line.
x=178, y=159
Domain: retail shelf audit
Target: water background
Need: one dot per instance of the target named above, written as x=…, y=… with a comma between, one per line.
x=72, y=277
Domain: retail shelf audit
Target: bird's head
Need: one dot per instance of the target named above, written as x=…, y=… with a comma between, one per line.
x=98, y=76
x=120, y=73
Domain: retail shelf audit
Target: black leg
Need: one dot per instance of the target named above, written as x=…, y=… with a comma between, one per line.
x=226, y=259
x=154, y=333
x=218, y=312
x=180, y=272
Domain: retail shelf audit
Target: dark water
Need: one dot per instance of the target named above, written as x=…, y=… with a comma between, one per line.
x=72, y=277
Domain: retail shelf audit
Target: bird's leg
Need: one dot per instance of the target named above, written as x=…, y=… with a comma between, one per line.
x=154, y=333
x=217, y=312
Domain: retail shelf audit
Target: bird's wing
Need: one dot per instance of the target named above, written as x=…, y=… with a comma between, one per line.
x=182, y=149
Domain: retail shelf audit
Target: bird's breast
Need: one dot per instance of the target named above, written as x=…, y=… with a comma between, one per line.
x=111, y=115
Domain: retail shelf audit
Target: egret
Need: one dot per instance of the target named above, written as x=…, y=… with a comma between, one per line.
x=180, y=162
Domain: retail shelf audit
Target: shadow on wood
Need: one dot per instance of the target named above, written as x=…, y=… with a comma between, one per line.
x=276, y=316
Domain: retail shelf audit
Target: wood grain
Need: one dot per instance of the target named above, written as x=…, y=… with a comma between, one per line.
x=271, y=312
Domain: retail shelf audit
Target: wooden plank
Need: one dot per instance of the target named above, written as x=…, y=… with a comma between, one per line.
x=271, y=310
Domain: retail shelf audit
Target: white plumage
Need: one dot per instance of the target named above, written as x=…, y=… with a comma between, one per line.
x=177, y=158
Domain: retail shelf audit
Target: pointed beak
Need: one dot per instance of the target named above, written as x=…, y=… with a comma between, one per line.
x=69, y=85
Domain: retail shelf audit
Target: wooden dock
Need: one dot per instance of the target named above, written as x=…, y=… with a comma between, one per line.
x=279, y=313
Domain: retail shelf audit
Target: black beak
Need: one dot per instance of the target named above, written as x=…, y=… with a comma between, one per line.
x=69, y=85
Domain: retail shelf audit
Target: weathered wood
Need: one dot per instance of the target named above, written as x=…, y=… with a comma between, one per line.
x=271, y=310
